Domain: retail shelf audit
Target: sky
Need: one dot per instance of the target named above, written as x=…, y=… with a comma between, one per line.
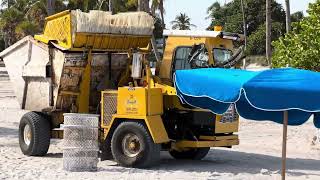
x=197, y=9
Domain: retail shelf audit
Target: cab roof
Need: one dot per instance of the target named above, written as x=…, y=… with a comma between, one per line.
x=203, y=33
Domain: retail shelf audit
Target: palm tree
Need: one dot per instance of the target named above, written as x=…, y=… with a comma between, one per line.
x=182, y=22
x=268, y=31
x=158, y=5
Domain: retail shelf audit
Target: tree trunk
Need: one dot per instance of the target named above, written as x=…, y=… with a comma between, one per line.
x=51, y=7
x=268, y=31
x=143, y=5
x=111, y=6
x=146, y=6
x=288, y=18
x=162, y=14
x=244, y=32
x=140, y=5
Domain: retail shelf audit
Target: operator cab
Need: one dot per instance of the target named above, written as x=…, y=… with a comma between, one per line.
x=186, y=49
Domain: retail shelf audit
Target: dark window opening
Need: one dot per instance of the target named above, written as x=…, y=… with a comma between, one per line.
x=180, y=60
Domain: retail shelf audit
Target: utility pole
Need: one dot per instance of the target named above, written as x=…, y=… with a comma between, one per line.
x=51, y=7
x=268, y=31
x=288, y=18
x=244, y=31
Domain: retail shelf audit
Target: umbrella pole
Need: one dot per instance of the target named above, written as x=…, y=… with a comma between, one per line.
x=284, y=145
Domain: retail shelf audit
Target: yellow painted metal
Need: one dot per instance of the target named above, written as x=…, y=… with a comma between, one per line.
x=110, y=41
x=217, y=28
x=157, y=129
x=58, y=28
x=154, y=125
x=83, y=98
x=167, y=90
x=221, y=127
x=133, y=101
x=198, y=144
x=148, y=74
x=173, y=42
x=213, y=138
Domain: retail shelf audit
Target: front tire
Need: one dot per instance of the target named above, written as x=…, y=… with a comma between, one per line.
x=132, y=146
x=194, y=154
x=34, y=134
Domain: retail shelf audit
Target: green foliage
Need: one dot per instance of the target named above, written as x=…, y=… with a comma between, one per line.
x=301, y=47
x=230, y=17
x=158, y=31
x=297, y=16
x=257, y=40
x=182, y=22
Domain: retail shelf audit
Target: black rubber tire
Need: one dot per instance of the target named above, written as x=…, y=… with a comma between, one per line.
x=40, y=134
x=193, y=154
x=106, y=153
x=150, y=153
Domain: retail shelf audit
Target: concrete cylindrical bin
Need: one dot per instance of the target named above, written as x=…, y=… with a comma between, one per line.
x=80, y=136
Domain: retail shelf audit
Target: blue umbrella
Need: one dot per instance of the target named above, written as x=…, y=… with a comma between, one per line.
x=289, y=96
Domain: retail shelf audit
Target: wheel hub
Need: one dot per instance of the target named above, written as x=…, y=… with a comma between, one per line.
x=27, y=134
x=131, y=145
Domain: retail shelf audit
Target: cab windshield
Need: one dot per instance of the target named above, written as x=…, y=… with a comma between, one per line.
x=221, y=55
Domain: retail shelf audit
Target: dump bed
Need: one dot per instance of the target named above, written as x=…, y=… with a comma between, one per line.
x=48, y=71
x=98, y=30
x=42, y=76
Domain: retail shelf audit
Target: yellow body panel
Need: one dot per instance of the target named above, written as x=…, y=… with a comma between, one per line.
x=132, y=104
x=58, y=28
x=212, y=138
x=83, y=98
x=198, y=144
x=109, y=41
x=173, y=42
x=154, y=125
x=226, y=127
x=134, y=101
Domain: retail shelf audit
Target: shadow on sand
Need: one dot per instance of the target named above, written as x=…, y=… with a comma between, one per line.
x=8, y=132
x=224, y=161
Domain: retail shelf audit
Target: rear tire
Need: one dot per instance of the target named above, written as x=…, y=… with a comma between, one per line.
x=34, y=134
x=132, y=146
x=194, y=154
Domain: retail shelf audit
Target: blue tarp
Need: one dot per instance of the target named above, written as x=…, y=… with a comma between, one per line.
x=262, y=95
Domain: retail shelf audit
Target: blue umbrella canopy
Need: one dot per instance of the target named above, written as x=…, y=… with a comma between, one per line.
x=262, y=95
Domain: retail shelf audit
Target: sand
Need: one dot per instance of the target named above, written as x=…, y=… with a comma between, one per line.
x=257, y=157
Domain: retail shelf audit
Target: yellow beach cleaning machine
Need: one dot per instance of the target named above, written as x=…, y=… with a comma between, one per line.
x=97, y=63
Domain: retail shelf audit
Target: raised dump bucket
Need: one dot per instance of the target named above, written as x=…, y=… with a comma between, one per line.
x=80, y=151
x=46, y=71
x=98, y=30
